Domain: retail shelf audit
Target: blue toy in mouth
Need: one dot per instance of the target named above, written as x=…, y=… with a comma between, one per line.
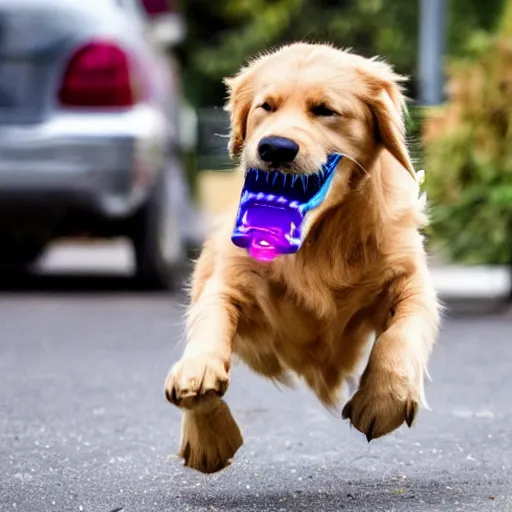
x=273, y=206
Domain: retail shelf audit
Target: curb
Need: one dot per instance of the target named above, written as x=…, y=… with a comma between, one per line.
x=462, y=289
x=473, y=289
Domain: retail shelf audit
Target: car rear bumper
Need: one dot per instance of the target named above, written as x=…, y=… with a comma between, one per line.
x=98, y=161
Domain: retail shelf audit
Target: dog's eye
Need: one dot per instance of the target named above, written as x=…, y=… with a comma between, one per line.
x=267, y=106
x=322, y=111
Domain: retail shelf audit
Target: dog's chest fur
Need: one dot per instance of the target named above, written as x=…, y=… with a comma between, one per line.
x=316, y=331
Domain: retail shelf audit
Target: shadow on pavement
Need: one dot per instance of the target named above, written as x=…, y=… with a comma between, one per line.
x=65, y=283
x=362, y=496
x=78, y=283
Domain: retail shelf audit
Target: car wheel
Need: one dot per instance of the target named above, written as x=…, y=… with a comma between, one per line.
x=156, y=239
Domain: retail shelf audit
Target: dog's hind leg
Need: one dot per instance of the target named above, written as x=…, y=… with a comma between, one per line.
x=210, y=436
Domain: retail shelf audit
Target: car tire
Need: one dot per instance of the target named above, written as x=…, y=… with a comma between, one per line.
x=156, y=239
x=19, y=254
x=17, y=260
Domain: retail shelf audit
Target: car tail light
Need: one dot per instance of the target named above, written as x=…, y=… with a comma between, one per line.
x=156, y=7
x=100, y=74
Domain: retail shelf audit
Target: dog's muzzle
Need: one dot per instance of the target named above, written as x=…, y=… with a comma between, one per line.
x=273, y=206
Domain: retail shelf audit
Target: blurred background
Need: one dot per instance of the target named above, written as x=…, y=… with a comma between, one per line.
x=112, y=128
x=112, y=164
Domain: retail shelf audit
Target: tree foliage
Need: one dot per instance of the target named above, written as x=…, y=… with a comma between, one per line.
x=222, y=34
x=468, y=155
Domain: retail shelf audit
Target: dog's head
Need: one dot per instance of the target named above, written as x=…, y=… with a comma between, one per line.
x=293, y=108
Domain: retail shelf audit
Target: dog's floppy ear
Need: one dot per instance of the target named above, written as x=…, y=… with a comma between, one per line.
x=388, y=106
x=240, y=97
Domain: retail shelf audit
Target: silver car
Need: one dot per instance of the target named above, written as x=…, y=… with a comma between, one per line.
x=88, y=132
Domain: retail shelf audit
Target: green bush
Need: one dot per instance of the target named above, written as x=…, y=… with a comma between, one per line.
x=468, y=158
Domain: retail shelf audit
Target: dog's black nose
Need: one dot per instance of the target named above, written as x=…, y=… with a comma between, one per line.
x=278, y=150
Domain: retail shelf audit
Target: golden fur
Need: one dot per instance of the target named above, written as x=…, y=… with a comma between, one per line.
x=361, y=272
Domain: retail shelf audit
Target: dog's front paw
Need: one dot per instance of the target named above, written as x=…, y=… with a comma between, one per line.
x=196, y=380
x=382, y=404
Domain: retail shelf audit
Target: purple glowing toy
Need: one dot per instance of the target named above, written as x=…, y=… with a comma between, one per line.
x=273, y=206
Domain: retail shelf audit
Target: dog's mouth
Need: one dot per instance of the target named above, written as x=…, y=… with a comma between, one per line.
x=273, y=206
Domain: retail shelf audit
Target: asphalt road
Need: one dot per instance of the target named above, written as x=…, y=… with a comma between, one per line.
x=84, y=425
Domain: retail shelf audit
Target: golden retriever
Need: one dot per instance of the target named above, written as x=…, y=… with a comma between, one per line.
x=361, y=273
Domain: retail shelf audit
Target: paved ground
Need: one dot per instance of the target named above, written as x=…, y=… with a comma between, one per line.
x=84, y=425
